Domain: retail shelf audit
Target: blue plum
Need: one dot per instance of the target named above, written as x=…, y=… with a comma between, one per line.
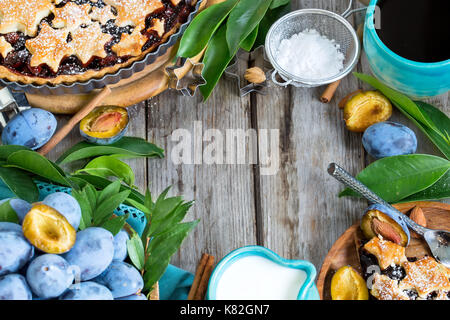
x=21, y=207
x=387, y=139
x=92, y=253
x=14, y=287
x=122, y=279
x=66, y=205
x=15, y=251
x=31, y=128
x=120, y=245
x=87, y=291
x=139, y=296
x=9, y=226
x=49, y=276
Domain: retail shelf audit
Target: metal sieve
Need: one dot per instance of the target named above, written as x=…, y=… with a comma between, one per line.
x=328, y=24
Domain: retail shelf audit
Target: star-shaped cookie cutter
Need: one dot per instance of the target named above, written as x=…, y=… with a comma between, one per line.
x=238, y=66
x=186, y=83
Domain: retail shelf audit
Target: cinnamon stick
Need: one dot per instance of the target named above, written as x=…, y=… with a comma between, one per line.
x=64, y=131
x=201, y=279
x=329, y=92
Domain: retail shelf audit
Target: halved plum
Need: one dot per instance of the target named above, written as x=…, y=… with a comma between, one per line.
x=48, y=230
x=105, y=125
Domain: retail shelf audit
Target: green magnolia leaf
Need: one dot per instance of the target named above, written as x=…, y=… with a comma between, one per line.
x=269, y=19
x=97, y=207
x=100, y=183
x=21, y=184
x=115, y=224
x=148, y=202
x=7, y=214
x=86, y=198
x=138, y=206
x=396, y=178
x=243, y=19
x=107, y=166
x=202, y=28
x=442, y=122
x=7, y=150
x=248, y=42
x=161, y=249
x=438, y=191
x=136, y=251
x=216, y=59
x=127, y=147
x=33, y=162
x=105, y=208
x=173, y=214
x=109, y=191
x=405, y=103
x=427, y=118
x=278, y=3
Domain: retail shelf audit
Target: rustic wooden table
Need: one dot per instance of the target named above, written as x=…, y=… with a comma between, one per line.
x=294, y=212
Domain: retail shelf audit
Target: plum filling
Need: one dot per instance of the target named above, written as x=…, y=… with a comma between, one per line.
x=18, y=60
x=369, y=266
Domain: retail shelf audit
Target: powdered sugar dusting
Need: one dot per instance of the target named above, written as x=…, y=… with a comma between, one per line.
x=309, y=55
x=133, y=12
x=425, y=278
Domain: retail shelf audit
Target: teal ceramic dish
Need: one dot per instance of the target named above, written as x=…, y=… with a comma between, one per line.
x=415, y=79
x=307, y=292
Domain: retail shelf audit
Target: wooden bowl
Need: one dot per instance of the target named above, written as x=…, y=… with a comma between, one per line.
x=344, y=252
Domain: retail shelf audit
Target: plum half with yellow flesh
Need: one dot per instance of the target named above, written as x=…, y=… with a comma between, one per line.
x=48, y=230
x=365, y=109
x=105, y=125
x=382, y=221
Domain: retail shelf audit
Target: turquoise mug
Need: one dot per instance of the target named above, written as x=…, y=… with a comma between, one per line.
x=415, y=79
x=308, y=290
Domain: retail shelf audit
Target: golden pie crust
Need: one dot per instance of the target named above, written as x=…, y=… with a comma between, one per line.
x=78, y=22
x=423, y=276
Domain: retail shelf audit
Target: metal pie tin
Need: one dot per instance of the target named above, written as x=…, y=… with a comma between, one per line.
x=108, y=79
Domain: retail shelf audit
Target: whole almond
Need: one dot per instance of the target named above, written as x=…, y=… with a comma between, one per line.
x=418, y=217
x=255, y=75
x=385, y=230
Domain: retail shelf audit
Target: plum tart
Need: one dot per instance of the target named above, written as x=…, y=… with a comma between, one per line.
x=62, y=41
x=393, y=276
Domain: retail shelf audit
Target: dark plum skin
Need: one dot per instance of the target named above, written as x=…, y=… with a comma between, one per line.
x=31, y=128
x=122, y=279
x=15, y=252
x=66, y=205
x=21, y=207
x=49, y=276
x=120, y=245
x=87, y=291
x=14, y=287
x=133, y=297
x=387, y=139
x=92, y=253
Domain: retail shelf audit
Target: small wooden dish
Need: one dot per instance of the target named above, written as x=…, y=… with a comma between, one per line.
x=343, y=252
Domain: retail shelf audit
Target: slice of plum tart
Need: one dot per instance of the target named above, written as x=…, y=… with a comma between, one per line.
x=390, y=275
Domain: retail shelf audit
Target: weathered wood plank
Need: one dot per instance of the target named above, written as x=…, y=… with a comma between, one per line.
x=301, y=213
x=223, y=193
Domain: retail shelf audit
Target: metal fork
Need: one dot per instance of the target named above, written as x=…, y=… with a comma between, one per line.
x=437, y=240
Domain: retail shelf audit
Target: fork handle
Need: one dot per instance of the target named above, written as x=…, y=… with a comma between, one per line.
x=346, y=178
